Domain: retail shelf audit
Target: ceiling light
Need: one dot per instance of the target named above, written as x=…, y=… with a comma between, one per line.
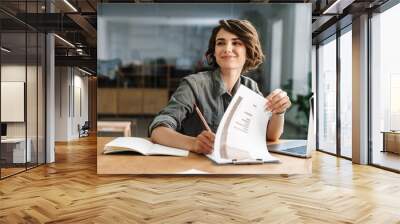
x=70, y=5
x=84, y=71
x=5, y=49
x=65, y=41
x=337, y=7
x=79, y=51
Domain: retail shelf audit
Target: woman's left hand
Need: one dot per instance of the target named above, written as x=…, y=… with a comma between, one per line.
x=277, y=102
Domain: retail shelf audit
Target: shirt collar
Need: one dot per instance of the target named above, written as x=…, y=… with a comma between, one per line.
x=219, y=86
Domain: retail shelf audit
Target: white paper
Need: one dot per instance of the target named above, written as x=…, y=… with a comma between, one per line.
x=193, y=171
x=241, y=135
x=166, y=150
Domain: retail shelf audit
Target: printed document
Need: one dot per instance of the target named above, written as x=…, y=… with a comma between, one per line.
x=241, y=135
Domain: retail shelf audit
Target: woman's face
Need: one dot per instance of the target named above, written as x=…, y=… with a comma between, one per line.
x=230, y=51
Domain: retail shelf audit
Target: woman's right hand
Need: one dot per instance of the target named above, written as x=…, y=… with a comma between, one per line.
x=203, y=143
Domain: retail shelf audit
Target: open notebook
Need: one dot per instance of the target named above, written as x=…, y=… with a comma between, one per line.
x=142, y=146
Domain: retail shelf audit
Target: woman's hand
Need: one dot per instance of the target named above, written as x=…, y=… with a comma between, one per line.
x=277, y=102
x=203, y=143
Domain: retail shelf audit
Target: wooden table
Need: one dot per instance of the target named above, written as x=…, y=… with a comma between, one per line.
x=122, y=127
x=193, y=164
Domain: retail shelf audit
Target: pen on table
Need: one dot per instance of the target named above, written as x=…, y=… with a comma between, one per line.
x=202, y=118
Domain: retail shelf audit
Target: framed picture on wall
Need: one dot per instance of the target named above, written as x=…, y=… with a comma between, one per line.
x=12, y=101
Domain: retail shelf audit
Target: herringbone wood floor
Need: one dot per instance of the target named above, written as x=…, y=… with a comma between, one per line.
x=69, y=191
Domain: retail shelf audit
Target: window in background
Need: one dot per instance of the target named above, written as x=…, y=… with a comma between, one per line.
x=385, y=85
x=346, y=93
x=327, y=96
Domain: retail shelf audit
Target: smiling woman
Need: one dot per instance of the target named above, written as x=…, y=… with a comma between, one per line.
x=234, y=49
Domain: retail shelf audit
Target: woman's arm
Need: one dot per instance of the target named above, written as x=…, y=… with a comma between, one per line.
x=277, y=102
x=275, y=127
x=203, y=143
x=169, y=137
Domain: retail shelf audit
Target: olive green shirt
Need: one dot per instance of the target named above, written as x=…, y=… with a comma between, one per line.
x=208, y=91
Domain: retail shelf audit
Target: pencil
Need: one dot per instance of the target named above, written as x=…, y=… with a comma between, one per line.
x=202, y=118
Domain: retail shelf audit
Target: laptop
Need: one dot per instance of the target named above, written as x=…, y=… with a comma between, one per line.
x=296, y=147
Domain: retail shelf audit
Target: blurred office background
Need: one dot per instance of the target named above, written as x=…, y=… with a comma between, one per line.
x=144, y=50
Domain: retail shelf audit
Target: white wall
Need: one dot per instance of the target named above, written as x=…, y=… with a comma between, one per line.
x=61, y=103
x=71, y=102
x=80, y=109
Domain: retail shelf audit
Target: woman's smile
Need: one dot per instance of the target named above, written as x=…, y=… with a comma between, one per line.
x=227, y=57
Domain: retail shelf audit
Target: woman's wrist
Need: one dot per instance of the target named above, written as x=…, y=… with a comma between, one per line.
x=191, y=141
x=279, y=113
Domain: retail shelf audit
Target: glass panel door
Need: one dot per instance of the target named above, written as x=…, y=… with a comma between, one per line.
x=14, y=152
x=327, y=96
x=385, y=89
x=346, y=93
